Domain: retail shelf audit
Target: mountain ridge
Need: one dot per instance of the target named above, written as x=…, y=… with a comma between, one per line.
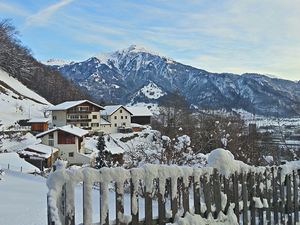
x=118, y=76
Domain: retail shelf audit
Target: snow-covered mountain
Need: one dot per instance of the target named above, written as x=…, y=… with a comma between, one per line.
x=128, y=75
x=17, y=101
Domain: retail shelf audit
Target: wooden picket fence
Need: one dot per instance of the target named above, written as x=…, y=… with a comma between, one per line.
x=266, y=197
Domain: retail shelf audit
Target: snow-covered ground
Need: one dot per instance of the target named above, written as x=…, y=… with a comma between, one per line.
x=17, y=142
x=12, y=161
x=17, y=101
x=23, y=199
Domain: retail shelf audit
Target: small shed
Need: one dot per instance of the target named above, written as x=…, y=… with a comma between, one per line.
x=40, y=155
x=140, y=115
x=39, y=124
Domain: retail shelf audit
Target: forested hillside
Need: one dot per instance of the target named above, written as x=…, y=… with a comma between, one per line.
x=18, y=61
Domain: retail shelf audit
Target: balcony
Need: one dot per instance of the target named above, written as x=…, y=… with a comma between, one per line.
x=79, y=111
x=78, y=120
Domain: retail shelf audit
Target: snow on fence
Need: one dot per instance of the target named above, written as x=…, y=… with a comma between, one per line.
x=256, y=195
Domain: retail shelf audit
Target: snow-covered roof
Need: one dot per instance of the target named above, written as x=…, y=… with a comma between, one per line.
x=139, y=111
x=104, y=122
x=68, y=128
x=70, y=104
x=45, y=150
x=15, y=163
x=110, y=109
x=39, y=120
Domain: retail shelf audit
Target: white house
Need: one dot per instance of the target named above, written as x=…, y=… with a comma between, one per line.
x=69, y=140
x=118, y=116
x=82, y=113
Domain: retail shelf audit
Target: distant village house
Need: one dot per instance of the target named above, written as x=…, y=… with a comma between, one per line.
x=84, y=114
x=70, y=141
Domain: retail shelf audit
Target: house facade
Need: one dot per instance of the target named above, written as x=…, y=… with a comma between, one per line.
x=69, y=140
x=118, y=116
x=84, y=114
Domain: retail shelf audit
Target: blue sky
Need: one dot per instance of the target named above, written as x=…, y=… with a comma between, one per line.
x=216, y=35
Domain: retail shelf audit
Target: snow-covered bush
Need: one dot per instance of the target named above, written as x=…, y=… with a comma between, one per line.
x=163, y=150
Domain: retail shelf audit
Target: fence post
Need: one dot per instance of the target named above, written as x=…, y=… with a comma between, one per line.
x=134, y=203
x=268, y=176
x=296, y=199
x=50, y=222
x=104, y=204
x=69, y=204
x=227, y=192
x=185, y=197
x=259, y=193
x=252, y=195
x=196, y=188
x=275, y=195
x=217, y=192
x=289, y=199
x=161, y=205
x=236, y=195
x=148, y=207
x=207, y=195
x=87, y=203
x=174, y=203
x=282, y=197
x=245, y=198
x=119, y=203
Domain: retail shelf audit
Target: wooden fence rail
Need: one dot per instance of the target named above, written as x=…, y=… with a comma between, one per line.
x=260, y=197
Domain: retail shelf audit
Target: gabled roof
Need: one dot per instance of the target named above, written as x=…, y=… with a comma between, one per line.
x=139, y=111
x=70, y=104
x=39, y=120
x=42, y=149
x=104, y=122
x=110, y=109
x=68, y=128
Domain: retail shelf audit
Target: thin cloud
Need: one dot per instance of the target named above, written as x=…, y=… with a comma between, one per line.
x=42, y=17
x=13, y=9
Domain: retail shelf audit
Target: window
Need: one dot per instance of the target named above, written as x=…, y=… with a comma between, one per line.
x=65, y=138
x=95, y=124
x=115, y=117
x=121, y=117
x=124, y=124
x=121, y=110
x=94, y=116
x=116, y=125
x=125, y=117
x=54, y=117
x=71, y=154
x=51, y=139
x=84, y=116
x=83, y=108
x=84, y=124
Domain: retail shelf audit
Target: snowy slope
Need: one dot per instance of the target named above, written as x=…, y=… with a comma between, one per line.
x=17, y=101
x=152, y=91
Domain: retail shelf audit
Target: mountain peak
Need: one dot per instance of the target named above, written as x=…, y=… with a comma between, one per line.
x=136, y=48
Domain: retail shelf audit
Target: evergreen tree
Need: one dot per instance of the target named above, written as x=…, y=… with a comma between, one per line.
x=104, y=156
